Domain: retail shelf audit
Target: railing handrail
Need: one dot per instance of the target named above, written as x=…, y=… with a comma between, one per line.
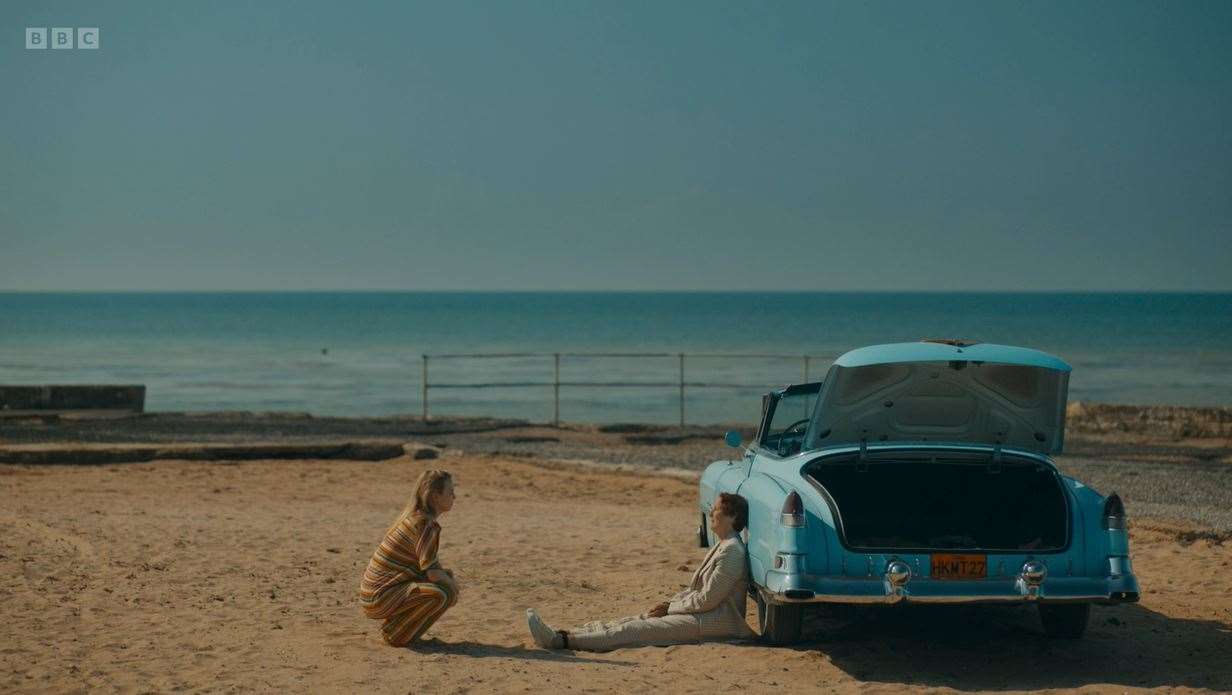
x=556, y=383
x=507, y=355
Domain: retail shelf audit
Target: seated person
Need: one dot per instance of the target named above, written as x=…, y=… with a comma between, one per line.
x=711, y=608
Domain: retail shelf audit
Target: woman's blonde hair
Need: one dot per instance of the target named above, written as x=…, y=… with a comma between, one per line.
x=430, y=481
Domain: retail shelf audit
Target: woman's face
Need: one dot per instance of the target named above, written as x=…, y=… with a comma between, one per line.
x=720, y=523
x=443, y=501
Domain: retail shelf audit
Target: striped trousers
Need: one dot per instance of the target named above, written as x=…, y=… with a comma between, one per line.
x=421, y=605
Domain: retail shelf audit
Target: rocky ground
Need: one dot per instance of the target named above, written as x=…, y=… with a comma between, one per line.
x=1168, y=463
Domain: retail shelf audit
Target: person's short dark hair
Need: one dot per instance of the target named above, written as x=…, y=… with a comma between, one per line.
x=735, y=506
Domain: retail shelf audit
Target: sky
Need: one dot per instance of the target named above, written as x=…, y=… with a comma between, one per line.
x=584, y=145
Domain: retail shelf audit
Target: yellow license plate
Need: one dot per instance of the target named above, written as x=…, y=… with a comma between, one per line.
x=946, y=566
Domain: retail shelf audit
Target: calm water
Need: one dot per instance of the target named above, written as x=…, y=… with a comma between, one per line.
x=257, y=351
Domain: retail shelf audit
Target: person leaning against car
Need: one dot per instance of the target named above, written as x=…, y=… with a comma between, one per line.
x=710, y=608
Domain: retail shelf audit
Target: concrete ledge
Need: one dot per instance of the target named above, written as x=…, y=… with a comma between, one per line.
x=95, y=454
x=128, y=397
x=49, y=416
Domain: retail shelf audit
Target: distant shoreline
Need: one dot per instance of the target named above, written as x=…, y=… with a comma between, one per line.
x=1143, y=292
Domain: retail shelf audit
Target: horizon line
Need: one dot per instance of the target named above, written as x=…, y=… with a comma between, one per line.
x=613, y=291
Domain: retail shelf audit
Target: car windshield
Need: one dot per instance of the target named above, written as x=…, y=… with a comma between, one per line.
x=791, y=412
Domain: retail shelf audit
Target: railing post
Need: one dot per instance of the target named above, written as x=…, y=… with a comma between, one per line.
x=424, y=389
x=682, y=389
x=556, y=392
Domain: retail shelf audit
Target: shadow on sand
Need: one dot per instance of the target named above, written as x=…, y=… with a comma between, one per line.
x=993, y=647
x=480, y=650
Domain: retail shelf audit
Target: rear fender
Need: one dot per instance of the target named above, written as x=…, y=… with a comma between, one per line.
x=765, y=497
x=1100, y=543
x=767, y=535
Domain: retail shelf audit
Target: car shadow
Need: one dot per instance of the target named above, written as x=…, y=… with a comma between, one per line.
x=997, y=647
x=480, y=650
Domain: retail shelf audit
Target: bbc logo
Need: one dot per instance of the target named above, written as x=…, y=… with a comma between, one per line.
x=61, y=37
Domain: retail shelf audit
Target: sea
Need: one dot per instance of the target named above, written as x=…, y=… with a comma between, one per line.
x=361, y=354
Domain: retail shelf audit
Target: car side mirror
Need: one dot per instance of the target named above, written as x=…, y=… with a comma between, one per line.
x=733, y=439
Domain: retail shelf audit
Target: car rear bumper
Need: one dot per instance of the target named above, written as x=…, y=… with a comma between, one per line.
x=787, y=588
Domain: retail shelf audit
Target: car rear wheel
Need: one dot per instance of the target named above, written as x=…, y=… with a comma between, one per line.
x=779, y=624
x=1065, y=620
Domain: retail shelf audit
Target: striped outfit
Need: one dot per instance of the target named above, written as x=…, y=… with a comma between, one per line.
x=395, y=587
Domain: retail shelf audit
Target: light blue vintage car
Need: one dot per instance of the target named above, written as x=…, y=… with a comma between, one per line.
x=921, y=473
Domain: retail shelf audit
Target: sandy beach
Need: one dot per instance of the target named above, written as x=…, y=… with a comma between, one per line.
x=957, y=276
x=229, y=576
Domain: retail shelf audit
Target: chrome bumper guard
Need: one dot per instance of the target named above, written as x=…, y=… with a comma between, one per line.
x=786, y=588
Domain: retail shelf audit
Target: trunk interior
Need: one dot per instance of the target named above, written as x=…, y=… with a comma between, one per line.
x=945, y=501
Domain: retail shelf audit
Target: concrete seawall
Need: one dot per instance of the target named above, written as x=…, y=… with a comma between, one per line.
x=94, y=454
x=125, y=397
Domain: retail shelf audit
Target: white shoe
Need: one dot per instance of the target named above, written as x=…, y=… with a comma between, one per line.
x=541, y=632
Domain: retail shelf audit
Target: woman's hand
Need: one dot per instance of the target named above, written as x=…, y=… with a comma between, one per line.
x=658, y=611
x=446, y=579
x=442, y=577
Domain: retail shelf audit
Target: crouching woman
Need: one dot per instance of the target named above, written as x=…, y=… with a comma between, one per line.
x=711, y=608
x=404, y=584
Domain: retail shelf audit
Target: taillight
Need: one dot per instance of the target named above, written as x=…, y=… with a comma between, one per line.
x=793, y=510
x=1114, y=512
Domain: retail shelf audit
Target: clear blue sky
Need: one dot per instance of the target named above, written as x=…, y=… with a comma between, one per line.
x=619, y=145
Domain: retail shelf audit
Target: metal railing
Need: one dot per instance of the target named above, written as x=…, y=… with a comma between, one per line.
x=680, y=384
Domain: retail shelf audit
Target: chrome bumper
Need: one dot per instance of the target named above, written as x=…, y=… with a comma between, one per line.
x=786, y=588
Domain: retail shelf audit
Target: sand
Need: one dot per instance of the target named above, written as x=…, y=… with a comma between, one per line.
x=237, y=577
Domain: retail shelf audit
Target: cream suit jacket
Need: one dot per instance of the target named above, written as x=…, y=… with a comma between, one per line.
x=717, y=592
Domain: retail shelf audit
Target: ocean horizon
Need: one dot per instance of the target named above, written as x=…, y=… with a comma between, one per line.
x=360, y=353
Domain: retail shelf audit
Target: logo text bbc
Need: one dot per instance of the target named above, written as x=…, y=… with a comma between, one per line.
x=61, y=37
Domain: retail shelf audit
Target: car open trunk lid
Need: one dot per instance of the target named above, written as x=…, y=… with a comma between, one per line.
x=933, y=392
